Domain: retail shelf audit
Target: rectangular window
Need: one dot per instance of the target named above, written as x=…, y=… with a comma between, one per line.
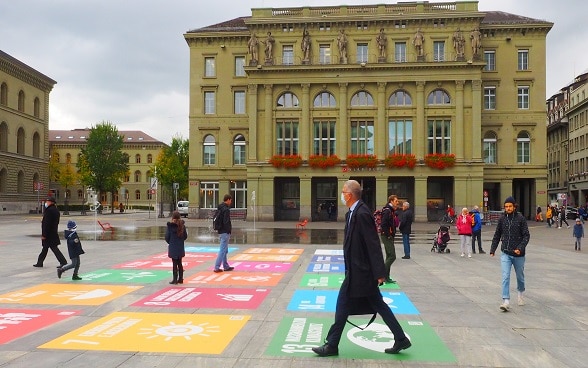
x=523, y=97
x=240, y=66
x=362, y=53
x=523, y=151
x=239, y=153
x=209, y=67
x=288, y=55
x=489, y=98
x=400, y=136
x=490, y=59
x=239, y=193
x=490, y=150
x=239, y=102
x=439, y=51
x=523, y=60
x=325, y=54
x=287, y=138
x=439, y=136
x=324, y=138
x=362, y=137
x=400, y=52
x=210, y=102
x=362, y=26
x=209, y=194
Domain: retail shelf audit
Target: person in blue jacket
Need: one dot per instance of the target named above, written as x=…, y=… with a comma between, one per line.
x=477, y=230
x=74, y=248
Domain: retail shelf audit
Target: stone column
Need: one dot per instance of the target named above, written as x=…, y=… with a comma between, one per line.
x=343, y=125
x=420, y=127
x=305, y=127
x=252, y=139
x=305, y=198
x=459, y=126
x=268, y=131
x=380, y=131
x=419, y=206
x=477, y=120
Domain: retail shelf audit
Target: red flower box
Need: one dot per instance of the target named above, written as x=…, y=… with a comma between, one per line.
x=322, y=162
x=357, y=161
x=440, y=160
x=286, y=161
x=399, y=160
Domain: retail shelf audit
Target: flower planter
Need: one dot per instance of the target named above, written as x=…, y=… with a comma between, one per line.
x=359, y=161
x=323, y=162
x=286, y=161
x=440, y=161
x=399, y=161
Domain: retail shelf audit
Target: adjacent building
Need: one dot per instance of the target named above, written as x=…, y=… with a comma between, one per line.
x=24, y=126
x=438, y=103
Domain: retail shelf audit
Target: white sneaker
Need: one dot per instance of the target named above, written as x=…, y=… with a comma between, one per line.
x=462, y=255
x=504, y=307
x=469, y=255
x=521, y=301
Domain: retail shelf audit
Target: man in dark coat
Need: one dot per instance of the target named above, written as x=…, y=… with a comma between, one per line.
x=364, y=271
x=405, y=227
x=49, y=234
x=224, y=233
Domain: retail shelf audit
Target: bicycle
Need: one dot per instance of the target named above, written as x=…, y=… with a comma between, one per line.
x=446, y=219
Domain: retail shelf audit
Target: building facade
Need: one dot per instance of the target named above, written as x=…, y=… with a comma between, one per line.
x=136, y=190
x=437, y=103
x=24, y=126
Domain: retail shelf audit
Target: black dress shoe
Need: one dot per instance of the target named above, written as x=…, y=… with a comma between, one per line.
x=173, y=282
x=406, y=257
x=389, y=281
x=37, y=265
x=399, y=345
x=326, y=350
x=59, y=272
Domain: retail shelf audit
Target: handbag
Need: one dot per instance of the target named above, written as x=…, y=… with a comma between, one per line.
x=360, y=306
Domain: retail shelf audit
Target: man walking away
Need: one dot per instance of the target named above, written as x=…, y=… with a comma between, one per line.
x=224, y=232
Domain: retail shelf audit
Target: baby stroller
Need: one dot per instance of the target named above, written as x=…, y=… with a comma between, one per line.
x=441, y=240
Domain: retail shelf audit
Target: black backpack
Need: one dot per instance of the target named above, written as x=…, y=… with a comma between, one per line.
x=217, y=220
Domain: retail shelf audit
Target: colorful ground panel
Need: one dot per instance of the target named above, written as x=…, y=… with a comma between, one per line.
x=68, y=294
x=154, y=264
x=326, y=300
x=333, y=281
x=205, y=249
x=326, y=267
x=154, y=332
x=15, y=323
x=274, y=250
x=251, y=279
x=296, y=336
x=189, y=297
x=329, y=252
x=260, y=266
x=191, y=257
x=265, y=257
x=127, y=275
x=328, y=258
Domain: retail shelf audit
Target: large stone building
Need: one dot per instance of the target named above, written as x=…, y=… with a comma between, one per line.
x=567, y=143
x=136, y=189
x=384, y=88
x=24, y=126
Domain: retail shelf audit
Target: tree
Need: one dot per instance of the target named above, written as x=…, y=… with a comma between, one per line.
x=172, y=166
x=67, y=178
x=103, y=165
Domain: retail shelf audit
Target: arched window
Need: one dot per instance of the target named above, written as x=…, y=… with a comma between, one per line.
x=80, y=194
x=287, y=100
x=523, y=148
x=209, y=150
x=20, y=141
x=362, y=98
x=37, y=107
x=68, y=158
x=20, y=182
x=138, y=193
x=489, y=147
x=4, y=94
x=3, y=175
x=127, y=177
x=149, y=158
x=400, y=98
x=438, y=97
x=3, y=136
x=56, y=155
x=36, y=145
x=239, y=157
x=137, y=176
x=137, y=158
x=325, y=99
x=21, y=101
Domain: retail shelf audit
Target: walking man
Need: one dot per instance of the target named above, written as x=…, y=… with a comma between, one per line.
x=405, y=227
x=388, y=227
x=513, y=232
x=364, y=271
x=477, y=231
x=224, y=211
x=49, y=234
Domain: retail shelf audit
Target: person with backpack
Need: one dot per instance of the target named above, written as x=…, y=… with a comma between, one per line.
x=477, y=230
x=388, y=225
x=222, y=224
x=405, y=227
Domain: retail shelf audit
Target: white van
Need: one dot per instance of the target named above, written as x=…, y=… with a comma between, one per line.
x=183, y=208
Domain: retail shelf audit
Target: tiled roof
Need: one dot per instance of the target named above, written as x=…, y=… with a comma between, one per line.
x=81, y=135
x=237, y=24
x=499, y=17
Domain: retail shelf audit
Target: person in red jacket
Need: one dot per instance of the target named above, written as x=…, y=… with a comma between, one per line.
x=464, y=228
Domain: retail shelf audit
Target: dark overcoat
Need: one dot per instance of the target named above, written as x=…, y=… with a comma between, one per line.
x=49, y=226
x=175, y=243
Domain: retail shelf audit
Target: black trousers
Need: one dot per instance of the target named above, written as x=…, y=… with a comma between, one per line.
x=55, y=250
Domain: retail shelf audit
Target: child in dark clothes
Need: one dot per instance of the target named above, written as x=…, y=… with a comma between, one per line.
x=74, y=248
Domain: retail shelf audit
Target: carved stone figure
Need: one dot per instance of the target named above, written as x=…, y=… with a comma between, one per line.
x=382, y=43
x=342, y=44
x=476, y=38
x=269, y=46
x=305, y=46
x=252, y=44
x=459, y=44
x=418, y=40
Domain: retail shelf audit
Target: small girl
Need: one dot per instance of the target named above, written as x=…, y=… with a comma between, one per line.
x=578, y=234
x=175, y=234
x=464, y=229
x=74, y=248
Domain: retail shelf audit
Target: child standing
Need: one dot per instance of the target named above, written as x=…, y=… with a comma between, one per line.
x=175, y=235
x=464, y=229
x=578, y=234
x=74, y=248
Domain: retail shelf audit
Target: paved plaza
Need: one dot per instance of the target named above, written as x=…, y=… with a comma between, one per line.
x=279, y=300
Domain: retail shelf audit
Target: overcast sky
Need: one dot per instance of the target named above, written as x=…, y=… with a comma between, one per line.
x=126, y=61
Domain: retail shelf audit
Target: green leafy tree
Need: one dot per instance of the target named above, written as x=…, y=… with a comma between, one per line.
x=172, y=166
x=103, y=164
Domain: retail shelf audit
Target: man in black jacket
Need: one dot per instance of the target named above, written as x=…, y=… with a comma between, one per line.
x=224, y=211
x=513, y=231
x=364, y=271
x=388, y=227
x=49, y=234
x=405, y=227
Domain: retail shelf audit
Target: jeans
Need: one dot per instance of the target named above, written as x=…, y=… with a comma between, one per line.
x=406, y=243
x=506, y=262
x=390, y=252
x=222, y=252
x=75, y=264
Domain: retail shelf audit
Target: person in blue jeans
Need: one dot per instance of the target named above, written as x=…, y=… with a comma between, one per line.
x=513, y=232
x=405, y=228
x=224, y=211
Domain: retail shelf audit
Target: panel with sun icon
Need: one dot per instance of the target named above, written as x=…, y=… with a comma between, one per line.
x=154, y=332
x=68, y=294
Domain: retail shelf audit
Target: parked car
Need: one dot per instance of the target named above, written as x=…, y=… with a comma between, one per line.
x=183, y=208
x=571, y=213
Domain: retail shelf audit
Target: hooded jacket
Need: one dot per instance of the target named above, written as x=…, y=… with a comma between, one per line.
x=513, y=231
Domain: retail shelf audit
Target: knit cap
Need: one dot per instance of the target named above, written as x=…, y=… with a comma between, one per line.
x=509, y=199
x=71, y=225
